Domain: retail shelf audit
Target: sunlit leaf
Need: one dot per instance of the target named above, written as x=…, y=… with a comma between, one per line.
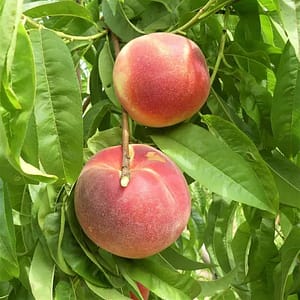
x=203, y=157
x=58, y=107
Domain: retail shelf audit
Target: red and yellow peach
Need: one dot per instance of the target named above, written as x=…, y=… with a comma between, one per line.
x=161, y=79
x=141, y=219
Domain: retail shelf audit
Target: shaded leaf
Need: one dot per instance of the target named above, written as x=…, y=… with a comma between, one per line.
x=41, y=274
x=287, y=178
x=288, y=254
x=118, y=22
x=105, y=65
x=289, y=11
x=285, y=114
x=9, y=266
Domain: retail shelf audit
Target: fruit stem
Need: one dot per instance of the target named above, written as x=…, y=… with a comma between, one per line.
x=125, y=169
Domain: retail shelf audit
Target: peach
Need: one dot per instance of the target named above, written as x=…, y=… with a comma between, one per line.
x=144, y=291
x=141, y=219
x=161, y=79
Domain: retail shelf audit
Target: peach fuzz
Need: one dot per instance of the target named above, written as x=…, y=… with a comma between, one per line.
x=137, y=221
x=161, y=79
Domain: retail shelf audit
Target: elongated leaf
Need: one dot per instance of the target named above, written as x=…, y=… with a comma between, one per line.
x=94, y=116
x=162, y=281
x=53, y=231
x=213, y=164
x=58, y=107
x=240, y=143
x=64, y=291
x=287, y=178
x=41, y=274
x=210, y=288
x=61, y=8
x=8, y=256
x=179, y=261
x=9, y=19
x=262, y=248
x=105, y=65
x=22, y=73
x=106, y=138
x=118, y=22
x=285, y=115
x=290, y=15
x=106, y=293
x=80, y=263
x=288, y=253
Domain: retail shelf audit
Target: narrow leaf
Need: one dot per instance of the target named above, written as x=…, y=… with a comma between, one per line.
x=58, y=107
x=289, y=252
x=285, y=115
x=118, y=22
x=8, y=255
x=61, y=8
x=105, y=65
x=240, y=143
x=41, y=274
x=287, y=178
x=106, y=293
x=209, y=161
x=9, y=20
x=290, y=15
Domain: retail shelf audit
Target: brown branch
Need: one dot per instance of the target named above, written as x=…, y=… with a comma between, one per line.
x=125, y=169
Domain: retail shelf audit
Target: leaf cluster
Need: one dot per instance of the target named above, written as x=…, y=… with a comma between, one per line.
x=240, y=154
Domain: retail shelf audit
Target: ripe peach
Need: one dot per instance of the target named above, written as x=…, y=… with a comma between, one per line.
x=161, y=79
x=137, y=221
x=144, y=291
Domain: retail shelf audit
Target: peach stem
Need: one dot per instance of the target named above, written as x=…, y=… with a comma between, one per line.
x=125, y=170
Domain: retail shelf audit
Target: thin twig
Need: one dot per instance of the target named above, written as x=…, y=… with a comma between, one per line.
x=221, y=49
x=209, y=8
x=125, y=169
x=65, y=35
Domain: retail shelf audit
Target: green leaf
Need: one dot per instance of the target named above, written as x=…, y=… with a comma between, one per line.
x=9, y=20
x=289, y=11
x=105, y=65
x=289, y=252
x=285, y=114
x=9, y=266
x=106, y=293
x=240, y=249
x=210, y=288
x=61, y=8
x=80, y=262
x=94, y=116
x=181, y=262
x=118, y=22
x=41, y=274
x=22, y=73
x=64, y=291
x=209, y=161
x=241, y=144
x=287, y=178
x=105, y=138
x=262, y=248
x=161, y=280
x=58, y=107
x=53, y=231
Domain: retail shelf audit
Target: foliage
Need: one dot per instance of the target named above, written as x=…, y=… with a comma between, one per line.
x=240, y=155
